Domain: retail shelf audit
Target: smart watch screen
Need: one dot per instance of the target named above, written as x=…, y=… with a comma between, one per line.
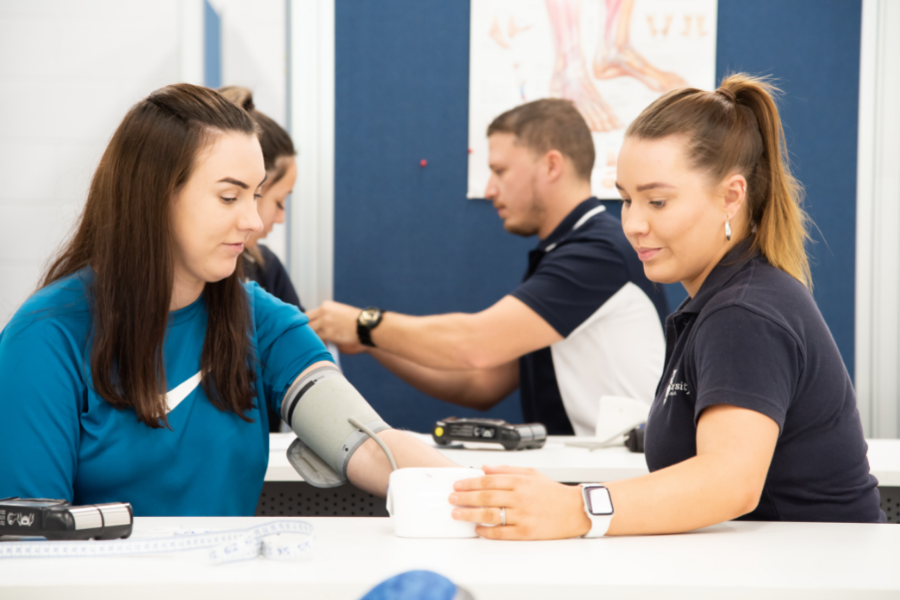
x=599, y=501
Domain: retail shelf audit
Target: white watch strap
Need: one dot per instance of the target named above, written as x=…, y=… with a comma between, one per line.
x=599, y=523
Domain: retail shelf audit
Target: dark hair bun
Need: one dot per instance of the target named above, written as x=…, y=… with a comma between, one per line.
x=274, y=140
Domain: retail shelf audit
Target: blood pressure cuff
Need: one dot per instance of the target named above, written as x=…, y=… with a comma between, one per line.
x=317, y=406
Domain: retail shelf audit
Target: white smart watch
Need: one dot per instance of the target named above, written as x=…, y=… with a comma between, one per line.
x=599, y=508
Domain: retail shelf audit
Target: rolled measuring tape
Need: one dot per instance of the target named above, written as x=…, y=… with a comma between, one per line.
x=278, y=540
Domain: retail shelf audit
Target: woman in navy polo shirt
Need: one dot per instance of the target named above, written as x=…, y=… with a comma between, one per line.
x=755, y=416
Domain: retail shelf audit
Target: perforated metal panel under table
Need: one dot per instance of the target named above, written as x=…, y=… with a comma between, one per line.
x=299, y=499
x=890, y=503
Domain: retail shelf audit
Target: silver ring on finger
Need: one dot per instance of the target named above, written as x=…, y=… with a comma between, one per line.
x=502, y=516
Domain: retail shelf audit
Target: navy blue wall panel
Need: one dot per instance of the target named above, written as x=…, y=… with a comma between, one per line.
x=406, y=239
x=812, y=47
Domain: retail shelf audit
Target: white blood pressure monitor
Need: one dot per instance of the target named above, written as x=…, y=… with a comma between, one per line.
x=599, y=508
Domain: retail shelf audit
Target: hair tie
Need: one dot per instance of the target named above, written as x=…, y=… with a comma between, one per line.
x=728, y=94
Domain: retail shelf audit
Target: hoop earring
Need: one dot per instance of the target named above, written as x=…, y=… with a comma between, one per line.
x=727, y=231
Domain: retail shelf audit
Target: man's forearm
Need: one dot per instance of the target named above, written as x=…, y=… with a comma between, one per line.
x=478, y=389
x=369, y=468
x=457, y=341
x=448, y=342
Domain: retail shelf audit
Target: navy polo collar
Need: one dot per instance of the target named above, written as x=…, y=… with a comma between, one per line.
x=569, y=223
x=731, y=264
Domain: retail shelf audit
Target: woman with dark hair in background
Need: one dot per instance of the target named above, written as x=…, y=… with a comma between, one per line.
x=138, y=371
x=260, y=263
x=755, y=416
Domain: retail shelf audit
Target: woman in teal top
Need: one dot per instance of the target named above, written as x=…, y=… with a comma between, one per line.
x=139, y=371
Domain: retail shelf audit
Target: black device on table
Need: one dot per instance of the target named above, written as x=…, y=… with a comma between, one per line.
x=634, y=439
x=497, y=431
x=59, y=520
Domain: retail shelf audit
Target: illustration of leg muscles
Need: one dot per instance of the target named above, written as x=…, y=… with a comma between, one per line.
x=570, y=76
x=700, y=31
x=513, y=30
x=496, y=34
x=664, y=29
x=616, y=58
x=508, y=42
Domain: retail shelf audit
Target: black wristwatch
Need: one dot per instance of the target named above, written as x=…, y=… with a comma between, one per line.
x=368, y=320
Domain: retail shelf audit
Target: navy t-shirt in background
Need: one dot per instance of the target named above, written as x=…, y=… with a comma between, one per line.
x=271, y=276
x=753, y=337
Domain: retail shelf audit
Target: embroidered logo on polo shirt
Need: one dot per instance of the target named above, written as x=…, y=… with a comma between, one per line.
x=676, y=387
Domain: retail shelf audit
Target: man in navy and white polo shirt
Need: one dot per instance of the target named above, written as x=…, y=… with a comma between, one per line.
x=586, y=281
x=585, y=323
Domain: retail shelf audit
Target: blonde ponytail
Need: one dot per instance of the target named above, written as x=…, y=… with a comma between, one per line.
x=737, y=129
x=775, y=195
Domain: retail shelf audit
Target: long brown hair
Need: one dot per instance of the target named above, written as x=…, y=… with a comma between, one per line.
x=124, y=235
x=737, y=129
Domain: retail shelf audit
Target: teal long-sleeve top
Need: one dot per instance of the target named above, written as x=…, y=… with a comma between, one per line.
x=59, y=439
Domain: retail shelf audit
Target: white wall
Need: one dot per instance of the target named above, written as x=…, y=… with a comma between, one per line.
x=69, y=71
x=877, y=377
x=312, y=127
x=254, y=56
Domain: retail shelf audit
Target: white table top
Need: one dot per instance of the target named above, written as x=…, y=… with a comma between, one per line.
x=733, y=560
x=563, y=463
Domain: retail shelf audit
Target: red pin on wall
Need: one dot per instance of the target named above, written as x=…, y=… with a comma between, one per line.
x=423, y=163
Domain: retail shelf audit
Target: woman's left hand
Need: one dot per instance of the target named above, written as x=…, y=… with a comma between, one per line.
x=537, y=508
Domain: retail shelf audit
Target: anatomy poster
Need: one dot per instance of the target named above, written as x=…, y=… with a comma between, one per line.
x=610, y=57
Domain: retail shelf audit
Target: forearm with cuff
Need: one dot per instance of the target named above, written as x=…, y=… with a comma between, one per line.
x=319, y=407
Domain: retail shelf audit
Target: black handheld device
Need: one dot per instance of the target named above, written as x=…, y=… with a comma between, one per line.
x=511, y=437
x=59, y=520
